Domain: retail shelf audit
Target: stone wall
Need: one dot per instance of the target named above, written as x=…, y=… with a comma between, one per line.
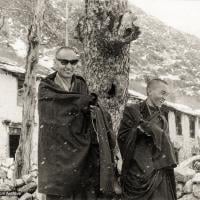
x=188, y=179
x=19, y=189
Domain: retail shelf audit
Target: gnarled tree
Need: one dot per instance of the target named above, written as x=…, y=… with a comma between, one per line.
x=106, y=31
x=23, y=159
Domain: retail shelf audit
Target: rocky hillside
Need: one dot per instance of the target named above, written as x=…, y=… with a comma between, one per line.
x=162, y=51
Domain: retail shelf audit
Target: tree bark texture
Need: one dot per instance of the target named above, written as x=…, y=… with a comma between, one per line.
x=23, y=153
x=67, y=19
x=106, y=32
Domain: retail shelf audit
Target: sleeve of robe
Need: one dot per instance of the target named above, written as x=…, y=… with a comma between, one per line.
x=128, y=127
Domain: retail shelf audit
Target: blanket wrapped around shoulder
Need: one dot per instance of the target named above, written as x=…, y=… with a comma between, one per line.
x=64, y=141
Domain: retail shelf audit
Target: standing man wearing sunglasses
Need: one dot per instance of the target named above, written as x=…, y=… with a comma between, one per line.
x=66, y=64
x=68, y=148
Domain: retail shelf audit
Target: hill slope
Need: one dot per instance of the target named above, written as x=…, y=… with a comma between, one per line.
x=160, y=51
x=165, y=52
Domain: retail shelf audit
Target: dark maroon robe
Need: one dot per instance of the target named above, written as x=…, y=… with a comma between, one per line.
x=69, y=156
x=148, y=158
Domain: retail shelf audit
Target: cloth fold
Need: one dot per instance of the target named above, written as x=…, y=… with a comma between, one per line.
x=65, y=139
x=106, y=141
x=145, y=156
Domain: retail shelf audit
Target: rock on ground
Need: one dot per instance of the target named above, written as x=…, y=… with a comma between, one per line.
x=184, y=174
x=196, y=190
x=188, y=197
x=187, y=189
x=26, y=196
x=30, y=188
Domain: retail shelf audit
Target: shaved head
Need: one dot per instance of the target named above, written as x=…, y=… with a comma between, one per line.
x=157, y=92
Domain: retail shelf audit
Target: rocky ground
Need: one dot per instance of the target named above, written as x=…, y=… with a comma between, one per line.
x=19, y=189
x=188, y=179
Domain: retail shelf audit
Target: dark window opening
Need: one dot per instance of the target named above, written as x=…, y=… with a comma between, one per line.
x=192, y=127
x=178, y=123
x=20, y=91
x=14, y=136
x=13, y=144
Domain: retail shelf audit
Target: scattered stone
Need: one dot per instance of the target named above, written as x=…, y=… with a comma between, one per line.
x=196, y=178
x=4, y=188
x=10, y=174
x=179, y=190
x=27, y=178
x=196, y=165
x=4, y=169
x=26, y=196
x=34, y=167
x=184, y=174
x=19, y=182
x=9, y=198
x=12, y=167
x=196, y=190
x=10, y=184
x=34, y=173
x=188, y=163
x=187, y=189
x=30, y=188
x=8, y=162
x=188, y=197
x=1, y=181
x=3, y=173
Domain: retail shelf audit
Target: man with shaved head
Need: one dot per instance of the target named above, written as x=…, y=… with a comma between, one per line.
x=146, y=149
x=74, y=157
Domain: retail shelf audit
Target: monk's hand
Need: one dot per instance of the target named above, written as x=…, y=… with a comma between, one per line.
x=145, y=127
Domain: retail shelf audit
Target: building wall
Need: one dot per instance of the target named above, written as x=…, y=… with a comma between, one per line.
x=4, y=142
x=8, y=101
x=10, y=111
x=184, y=143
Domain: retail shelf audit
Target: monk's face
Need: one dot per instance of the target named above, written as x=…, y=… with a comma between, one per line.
x=66, y=62
x=158, y=93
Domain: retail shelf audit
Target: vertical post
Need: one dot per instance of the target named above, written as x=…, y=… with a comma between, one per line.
x=66, y=28
x=186, y=136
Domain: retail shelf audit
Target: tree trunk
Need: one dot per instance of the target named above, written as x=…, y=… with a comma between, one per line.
x=66, y=27
x=106, y=32
x=23, y=154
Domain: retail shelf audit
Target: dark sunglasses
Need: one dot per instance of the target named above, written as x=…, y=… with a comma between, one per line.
x=65, y=62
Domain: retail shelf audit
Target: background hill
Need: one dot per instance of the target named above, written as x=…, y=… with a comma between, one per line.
x=168, y=53
x=160, y=51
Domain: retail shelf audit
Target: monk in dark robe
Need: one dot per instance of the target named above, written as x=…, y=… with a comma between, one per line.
x=147, y=152
x=75, y=159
